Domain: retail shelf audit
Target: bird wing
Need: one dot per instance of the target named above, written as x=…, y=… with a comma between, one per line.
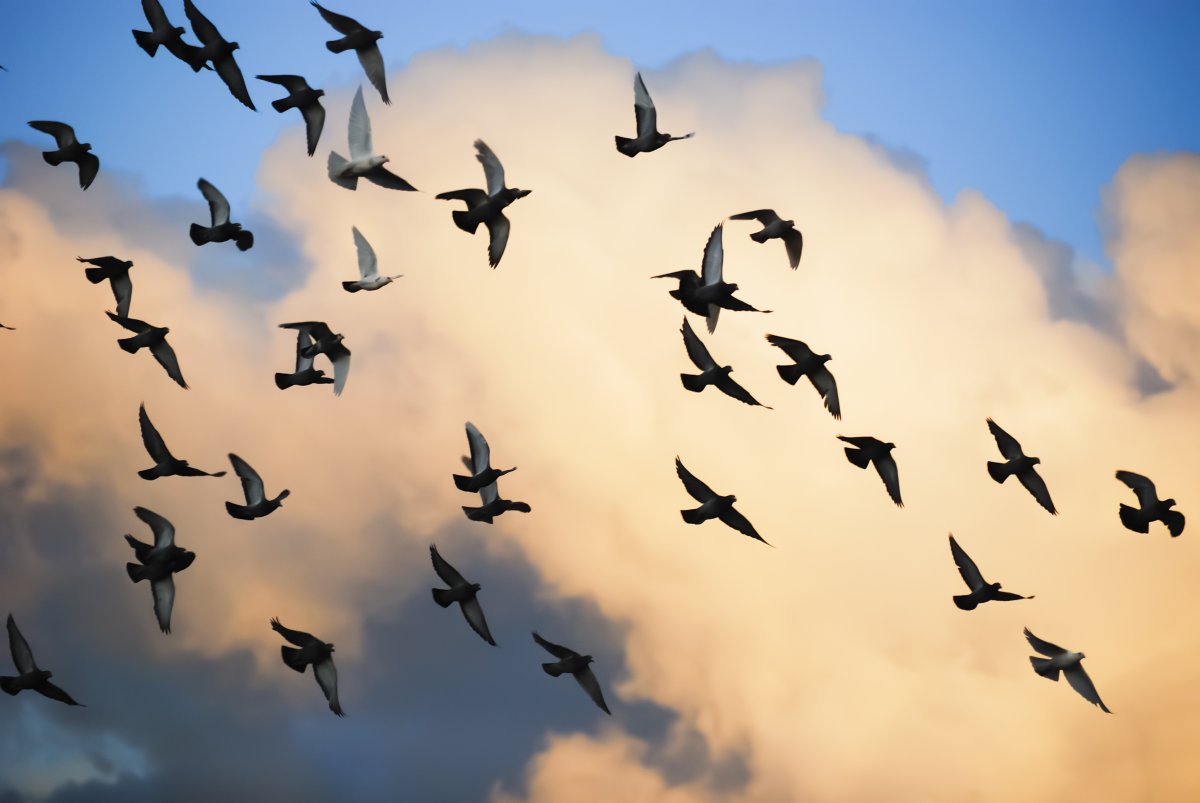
x=1080, y=682
x=151, y=439
x=339, y=22
x=696, y=350
x=1044, y=647
x=317, y=330
x=796, y=349
x=643, y=108
x=737, y=521
x=498, y=238
x=473, y=612
x=339, y=355
x=826, y=385
x=292, y=83
x=164, y=601
x=165, y=355
x=862, y=442
x=155, y=15
x=314, y=124
x=714, y=256
x=367, y=263
x=122, y=288
x=297, y=637
x=21, y=654
x=1034, y=483
x=493, y=171
x=64, y=135
x=473, y=198
x=252, y=484
x=205, y=31
x=385, y=178
x=966, y=567
x=48, y=689
x=587, y=679
x=372, y=63
x=763, y=216
x=132, y=324
x=360, y=128
x=303, y=341
x=1142, y=486
x=89, y=167
x=489, y=493
x=557, y=650
x=444, y=570
x=481, y=454
x=164, y=531
x=1008, y=596
x=695, y=488
x=231, y=74
x=218, y=206
x=727, y=385
x=326, y=675
x=1007, y=443
x=890, y=474
x=793, y=240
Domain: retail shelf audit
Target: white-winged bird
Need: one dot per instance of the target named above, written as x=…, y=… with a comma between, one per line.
x=363, y=161
x=368, y=267
x=648, y=137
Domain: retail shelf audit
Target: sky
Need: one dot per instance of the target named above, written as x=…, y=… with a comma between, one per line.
x=1001, y=219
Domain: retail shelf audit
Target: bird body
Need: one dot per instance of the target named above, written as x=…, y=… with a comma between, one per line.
x=711, y=373
x=257, y=503
x=810, y=364
x=214, y=48
x=486, y=206
x=712, y=505
x=158, y=564
x=165, y=463
x=479, y=463
x=116, y=273
x=368, y=267
x=222, y=229
x=317, y=338
x=153, y=338
x=981, y=590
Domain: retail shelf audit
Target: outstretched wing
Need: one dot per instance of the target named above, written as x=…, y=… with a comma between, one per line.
x=339, y=355
x=303, y=341
x=1142, y=486
x=481, y=455
x=153, y=441
x=292, y=83
x=826, y=385
x=1044, y=647
x=886, y=466
x=164, y=531
x=89, y=167
x=367, y=262
x=763, y=216
x=695, y=488
x=231, y=74
x=64, y=135
x=339, y=22
x=252, y=484
x=473, y=612
x=497, y=238
x=966, y=567
x=796, y=349
x=727, y=385
x=1034, y=483
x=21, y=654
x=714, y=257
x=48, y=689
x=155, y=15
x=383, y=177
x=372, y=63
x=557, y=650
x=493, y=171
x=205, y=31
x=326, y=675
x=444, y=570
x=737, y=521
x=132, y=324
x=1007, y=443
x=587, y=679
x=317, y=330
x=793, y=241
x=297, y=637
x=218, y=206
x=122, y=288
x=643, y=108
x=360, y=128
x=165, y=355
x=696, y=350
x=1080, y=682
x=164, y=601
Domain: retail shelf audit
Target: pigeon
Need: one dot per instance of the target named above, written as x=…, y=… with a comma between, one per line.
x=1150, y=507
x=363, y=162
x=981, y=590
x=165, y=463
x=1069, y=663
x=486, y=207
x=493, y=505
x=164, y=33
x=479, y=463
x=219, y=52
x=221, y=230
x=154, y=338
x=362, y=42
x=303, y=97
x=707, y=292
x=775, y=229
x=324, y=341
x=462, y=592
x=864, y=451
x=368, y=267
x=648, y=138
x=1017, y=463
x=713, y=506
x=577, y=665
x=304, y=374
x=257, y=505
x=808, y=363
x=116, y=271
x=713, y=374
x=312, y=651
x=70, y=149
x=158, y=563
x=30, y=676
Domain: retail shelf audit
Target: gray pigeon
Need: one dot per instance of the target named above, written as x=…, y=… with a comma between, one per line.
x=462, y=592
x=773, y=228
x=311, y=651
x=303, y=97
x=810, y=364
x=153, y=338
x=712, y=374
x=158, y=564
x=222, y=229
x=574, y=664
x=1020, y=465
x=865, y=450
x=116, y=272
x=305, y=373
x=324, y=341
x=981, y=590
x=363, y=42
x=648, y=137
x=712, y=505
x=257, y=504
x=486, y=207
x=1067, y=662
x=707, y=292
x=70, y=149
x=219, y=52
x=162, y=32
x=165, y=463
x=479, y=463
x=368, y=267
x=1150, y=507
x=363, y=161
x=29, y=677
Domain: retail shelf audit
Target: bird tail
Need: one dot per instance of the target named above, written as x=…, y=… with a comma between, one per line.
x=692, y=516
x=442, y=597
x=136, y=573
x=759, y=236
x=693, y=382
x=623, y=146
x=1134, y=519
x=145, y=42
x=94, y=275
x=52, y=158
x=149, y=473
x=238, y=511
x=552, y=669
x=280, y=105
x=351, y=287
x=199, y=234
x=1043, y=668
x=244, y=240
x=291, y=657
x=9, y=685
x=127, y=344
x=999, y=471
x=477, y=514
x=460, y=220
x=789, y=373
x=337, y=46
x=284, y=381
x=1174, y=521
x=858, y=457
x=966, y=602
x=463, y=483
x=336, y=165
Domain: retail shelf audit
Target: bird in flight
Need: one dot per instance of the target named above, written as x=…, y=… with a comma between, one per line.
x=153, y=338
x=574, y=664
x=462, y=592
x=479, y=463
x=810, y=364
x=116, y=272
x=303, y=97
x=363, y=42
x=70, y=149
x=774, y=228
x=712, y=505
x=1150, y=507
x=866, y=450
x=712, y=374
x=222, y=229
x=214, y=48
x=1069, y=663
x=165, y=463
x=29, y=677
x=305, y=373
x=981, y=590
x=158, y=563
x=707, y=293
x=486, y=206
x=648, y=137
x=311, y=650
x=163, y=33
x=324, y=341
x=363, y=161
x=257, y=504
x=1019, y=464
x=368, y=267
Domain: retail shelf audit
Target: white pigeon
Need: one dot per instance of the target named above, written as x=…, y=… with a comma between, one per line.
x=368, y=267
x=363, y=161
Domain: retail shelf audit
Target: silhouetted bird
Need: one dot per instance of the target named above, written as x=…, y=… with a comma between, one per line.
x=712, y=505
x=810, y=364
x=363, y=42
x=575, y=664
x=493, y=504
x=462, y=592
x=165, y=463
x=158, y=564
x=219, y=52
x=713, y=374
x=1067, y=662
x=303, y=97
x=1020, y=465
x=648, y=137
x=479, y=463
x=70, y=149
x=305, y=373
x=981, y=590
x=363, y=161
x=29, y=677
x=773, y=228
x=153, y=338
x=1150, y=508
x=116, y=272
x=706, y=293
x=311, y=651
x=486, y=207
x=864, y=451
x=368, y=267
x=221, y=230
x=162, y=32
x=257, y=504
x=324, y=341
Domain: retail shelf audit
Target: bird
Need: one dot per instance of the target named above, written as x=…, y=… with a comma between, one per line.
x=158, y=564
x=324, y=341
x=810, y=364
x=773, y=228
x=865, y=450
x=70, y=149
x=486, y=206
x=576, y=665
x=29, y=677
x=1020, y=465
x=218, y=51
x=713, y=506
x=257, y=504
x=311, y=651
x=165, y=463
x=303, y=97
x=363, y=42
x=116, y=272
x=363, y=162
x=713, y=374
x=648, y=137
x=981, y=590
x=1150, y=508
x=706, y=293
x=462, y=592
x=305, y=373
x=368, y=267
x=162, y=32
x=154, y=338
x=222, y=229
x=1069, y=663
x=479, y=463
x=493, y=504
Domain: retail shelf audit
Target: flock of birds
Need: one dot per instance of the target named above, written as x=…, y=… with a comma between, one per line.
x=703, y=293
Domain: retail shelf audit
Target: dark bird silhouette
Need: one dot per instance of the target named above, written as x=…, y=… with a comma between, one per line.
x=1069, y=663
x=713, y=374
x=304, y=98
x=218, y=51
x=479, y=463
x=574, y=664
x=70, y=149
x=153, y=338
x=324, y=341
x=158, y=564
x=981, y=590
x=163, y=33
x=810, y=364
x=305, y=373
x=116, y=273
x=368, y=267
x=707, y=293
x=1150, y=508
x=363, y=161
x=311, y=651
x=648, y=137
x=462, y=592
x=363, y=42
x=257, y=504
x=1020, y=465
x=712, y=505
x=165, y=463
x=864, y=451
x=773, y=228
x=486, y=207
x=221, y=230
x=493, y=504
x=29, y=677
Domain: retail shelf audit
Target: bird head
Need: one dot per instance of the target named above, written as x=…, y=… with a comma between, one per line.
x=45, y=674
x=320, y=93
x=87, y=146
x=994, y=586
x=164, y=331
x=824, y=358
x=233, y=46
x=328, y=646
x=1033, y=461
x=726, y=369
x=889, y=446
x=338, y=338
x=731, y=498
x=1168, y=503
x=476, y=587
x=284, y=494
x=519, y=193
x=177, y=31
x=587, y=659
x=790, y=224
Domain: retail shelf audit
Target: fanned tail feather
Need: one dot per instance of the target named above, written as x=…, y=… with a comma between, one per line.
x=693, y=382
x=442, y=597
x=789, y=373
x=136, y=573
x=998, y=471
x=145, y=42
x=1043, y=668
x=858, y=457
x=291, y=657
x=1134, y=519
